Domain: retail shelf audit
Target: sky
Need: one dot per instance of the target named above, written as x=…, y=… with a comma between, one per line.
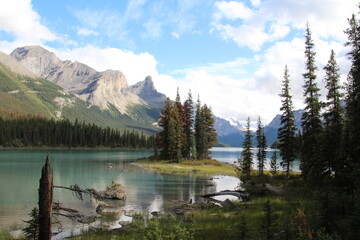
x=230, y=53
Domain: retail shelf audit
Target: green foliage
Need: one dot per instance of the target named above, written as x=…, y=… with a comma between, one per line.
x=268, y=228
x=261, y=145
x=177, y=140
x=31, y=231
x=286, y=133
x=5, y=235
x=273, y=164
x=311, y=160
x=175, y=231
x=22, y=95
x=246, y=154
x=20, y=131
x=333, y=119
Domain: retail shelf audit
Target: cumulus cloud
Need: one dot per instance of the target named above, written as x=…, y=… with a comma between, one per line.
x=272, y=20
x=18, y=19
x=135, y=66
x=232, y=10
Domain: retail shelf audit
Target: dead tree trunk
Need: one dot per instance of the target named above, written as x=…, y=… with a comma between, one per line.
x=45, y=201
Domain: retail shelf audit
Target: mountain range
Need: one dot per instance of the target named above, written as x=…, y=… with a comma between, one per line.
x=34, y=80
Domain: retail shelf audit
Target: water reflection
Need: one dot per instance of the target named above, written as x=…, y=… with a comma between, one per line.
x=232, y=154
x=20, y=171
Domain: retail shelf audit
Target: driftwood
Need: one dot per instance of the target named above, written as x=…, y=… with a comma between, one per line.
x=240, y=194
x=78, y=192
x=58, y=206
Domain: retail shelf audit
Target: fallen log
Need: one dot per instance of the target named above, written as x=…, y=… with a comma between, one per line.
x=240, y=194
x=57, y=206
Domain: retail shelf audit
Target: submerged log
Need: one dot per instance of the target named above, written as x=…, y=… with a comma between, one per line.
x=45, y=201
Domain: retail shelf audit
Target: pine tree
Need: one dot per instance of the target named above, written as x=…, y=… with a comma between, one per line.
x=268, y=228
x=199, y=131
x=333, y=118
x=163, y=137
x=246, y=159
x=273, y=164
x=32, y=229
x=261, y=145
x=209, y=128
x=174, y=139
x=286, y=133
x=188, y=126
x=352, y=141
x=311, y=157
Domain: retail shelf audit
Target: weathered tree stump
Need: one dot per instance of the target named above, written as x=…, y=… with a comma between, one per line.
x=45, y=201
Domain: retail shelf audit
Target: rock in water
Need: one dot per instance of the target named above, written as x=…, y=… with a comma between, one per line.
x=116, y=192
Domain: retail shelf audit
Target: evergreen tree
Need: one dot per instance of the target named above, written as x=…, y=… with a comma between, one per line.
x=351, y=164
x=312, y=166
x=246, y=159
x=199, y=131
x=261, y=145
x=333, y=118
x=286, y=133
x=162, y=138
x=188, y=126
x=210, y=131
x=174, y=139
x=273, y=164
x=268, y=227
x=32, y=229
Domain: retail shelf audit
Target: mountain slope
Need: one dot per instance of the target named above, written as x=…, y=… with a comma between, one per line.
x=25, y=95
x=103, y=89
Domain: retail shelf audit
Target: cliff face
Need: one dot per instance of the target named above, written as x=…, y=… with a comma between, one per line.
x=97, y=88
x=146, y=90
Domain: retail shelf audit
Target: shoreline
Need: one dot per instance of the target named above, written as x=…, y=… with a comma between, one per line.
x=208, y=167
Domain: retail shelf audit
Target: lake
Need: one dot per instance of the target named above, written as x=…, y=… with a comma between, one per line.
x=147, y=191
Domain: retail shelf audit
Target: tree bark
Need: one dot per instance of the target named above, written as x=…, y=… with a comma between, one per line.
x=45, y=201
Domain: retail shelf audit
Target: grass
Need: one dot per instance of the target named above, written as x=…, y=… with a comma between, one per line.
x=201, y=167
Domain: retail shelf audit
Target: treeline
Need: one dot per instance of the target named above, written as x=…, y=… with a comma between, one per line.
x=26, y=131
x=188, y=131
x=330, y=141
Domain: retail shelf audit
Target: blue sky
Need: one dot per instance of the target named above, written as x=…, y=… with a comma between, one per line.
x=231, y=53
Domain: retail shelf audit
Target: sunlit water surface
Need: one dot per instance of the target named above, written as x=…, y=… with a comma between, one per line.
x=147, y=191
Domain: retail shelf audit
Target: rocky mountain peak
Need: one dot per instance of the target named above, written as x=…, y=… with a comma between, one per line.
x=15, y=66
x=147, y=91
x=37, y=59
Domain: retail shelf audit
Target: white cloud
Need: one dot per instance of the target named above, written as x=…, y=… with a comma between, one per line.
x=135, y=66
x=232, y=10
x=18, y=18
x=281, y=16
x=87, y=32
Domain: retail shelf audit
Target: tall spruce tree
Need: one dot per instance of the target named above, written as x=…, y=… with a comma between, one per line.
x=199, y=131
x=286, y=133
x=210, y=131
x=333, y=119
x=351, y=171
x=312, y=166
x=188, y=118
x=246, y=159
x=174, y=140
x=261, y=145
x=162, y=138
